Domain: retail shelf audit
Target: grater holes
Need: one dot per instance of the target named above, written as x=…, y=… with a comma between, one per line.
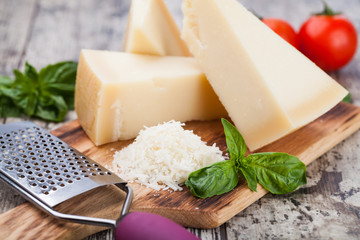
x=60, y=179
x=48, y=164
x=5, y=151
x=40, y=180
x=31, y=178
x=20, y=175
x=51, y=182
x=48, y=176
x=33, y=184
x=10, y=168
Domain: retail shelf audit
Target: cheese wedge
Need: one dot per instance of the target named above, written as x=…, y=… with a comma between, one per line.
x=152, y=30
x=268, y=88
x=117, y=94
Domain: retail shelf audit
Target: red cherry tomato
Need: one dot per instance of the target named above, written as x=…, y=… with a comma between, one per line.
x=283, y=29
x=328, y=40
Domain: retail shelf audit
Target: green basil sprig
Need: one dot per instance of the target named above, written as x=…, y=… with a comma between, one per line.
x=279, y=173
x=47, y=94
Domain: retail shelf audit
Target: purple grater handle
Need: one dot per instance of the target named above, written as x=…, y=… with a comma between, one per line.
x=147, y=226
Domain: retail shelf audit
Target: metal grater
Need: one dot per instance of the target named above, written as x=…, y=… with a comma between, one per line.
x=47, y=171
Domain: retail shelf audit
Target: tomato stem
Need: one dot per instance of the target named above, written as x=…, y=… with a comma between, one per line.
x=327, y=11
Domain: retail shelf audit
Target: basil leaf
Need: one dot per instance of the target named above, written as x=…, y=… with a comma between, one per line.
x=24, y=91
x=60, y=79
x=5, y=81
x=347, y=98
x=47, y=95
x=52, y=108
x=62, y=72
x=7, y=106
x=216, y=179
x=249, y=173
x=30, y=72
x=279, y=173
x=234, y=141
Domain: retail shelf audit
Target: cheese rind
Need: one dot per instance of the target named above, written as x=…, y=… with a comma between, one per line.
x=268, y=88
x=152, y=30
x=117, y=94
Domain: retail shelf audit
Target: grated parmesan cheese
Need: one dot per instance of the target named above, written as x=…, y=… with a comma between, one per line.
x=163, y=156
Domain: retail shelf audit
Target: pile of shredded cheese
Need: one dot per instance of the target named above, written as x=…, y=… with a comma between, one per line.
x=163, y=156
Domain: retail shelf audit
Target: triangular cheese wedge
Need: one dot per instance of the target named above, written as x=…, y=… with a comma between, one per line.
x=268, y=87
x=152, y=30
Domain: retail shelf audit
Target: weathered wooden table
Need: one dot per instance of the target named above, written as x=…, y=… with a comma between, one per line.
x=328, y=207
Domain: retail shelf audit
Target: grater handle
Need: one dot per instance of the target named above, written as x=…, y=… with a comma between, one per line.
x=146, y=226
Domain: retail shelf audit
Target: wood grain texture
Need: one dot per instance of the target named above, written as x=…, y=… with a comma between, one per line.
x=44, y=32
x=309, y=142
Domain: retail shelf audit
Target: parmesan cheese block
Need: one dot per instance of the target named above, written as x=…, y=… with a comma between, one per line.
x=152, y=30
x=268, y=87
x=162, y=157
x=117, y=94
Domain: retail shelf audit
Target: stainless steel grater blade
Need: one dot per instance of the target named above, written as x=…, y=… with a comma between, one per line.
x=47, y=171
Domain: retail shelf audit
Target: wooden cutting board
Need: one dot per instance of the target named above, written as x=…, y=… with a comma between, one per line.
x=308, y=143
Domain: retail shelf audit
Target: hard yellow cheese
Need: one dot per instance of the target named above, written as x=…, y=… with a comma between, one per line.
x=152, y=30
x=117, y=94
x=268, y=88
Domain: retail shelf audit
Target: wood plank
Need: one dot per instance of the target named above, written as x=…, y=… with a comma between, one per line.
x=260, y=217
x=15, y=30
x=307, y=143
